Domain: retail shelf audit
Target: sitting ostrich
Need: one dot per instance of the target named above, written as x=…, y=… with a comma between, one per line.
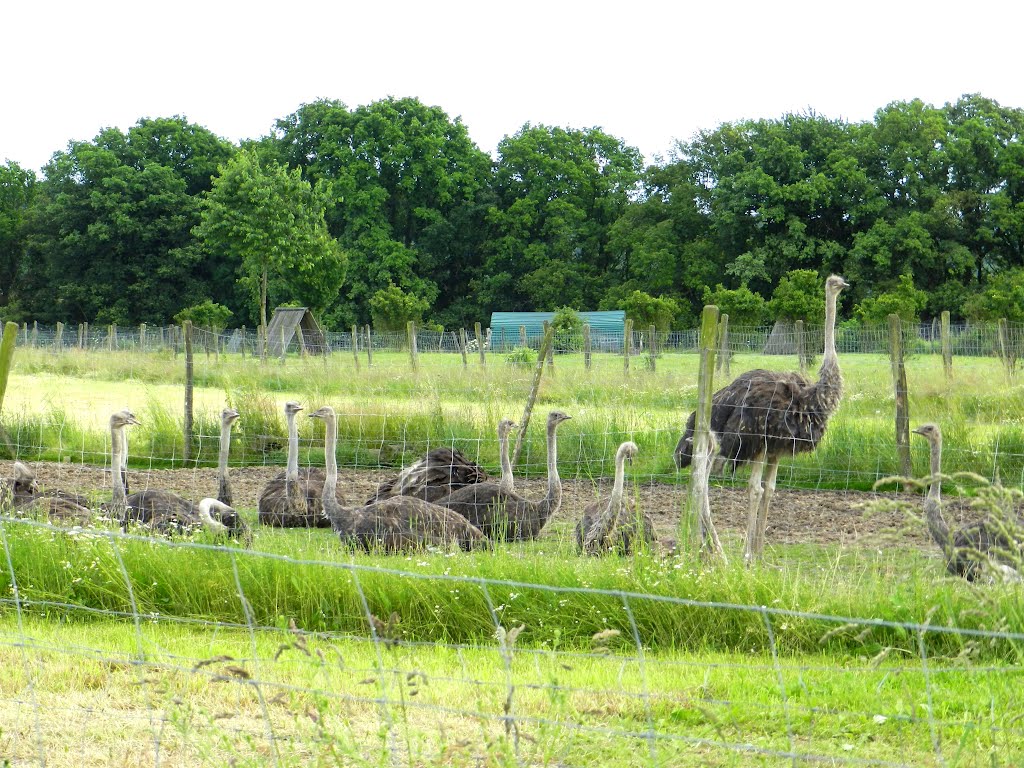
x=159, y=510
x=969, y=550
x=224, y=493
x=763, y=415
x=19, y=489
x=599, y=530
x=24, y=495
x=439, y=473
x=395, y=524
x=507, y=515
x=294, y=498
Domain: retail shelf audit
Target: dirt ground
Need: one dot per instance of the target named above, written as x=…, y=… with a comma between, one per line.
x=797, y=516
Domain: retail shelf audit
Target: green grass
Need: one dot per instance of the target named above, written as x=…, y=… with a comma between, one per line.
x=57, y=406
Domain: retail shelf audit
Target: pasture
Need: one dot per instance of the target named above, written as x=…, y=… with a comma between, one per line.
x=850, y=645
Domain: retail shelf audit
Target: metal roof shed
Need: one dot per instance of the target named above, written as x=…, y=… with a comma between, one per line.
x=505, y=327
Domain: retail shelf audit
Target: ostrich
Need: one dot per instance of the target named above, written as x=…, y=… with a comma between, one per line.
x=974, y=546
x=294, y=498
x=763, y=415
x=54, y=504
x=599, y=530
x=395, y=524
x=162, y=511
x=19, y=489
x=227, y=418
x=509, y=516
x=439, y=473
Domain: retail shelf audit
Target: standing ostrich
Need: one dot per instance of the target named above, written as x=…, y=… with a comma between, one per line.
x=395, y=524
x=763, y=415
x=294, y=498
x=439, y=473
x=509, y=516
x=968, y=550
x=599, y=531
x=224, y=493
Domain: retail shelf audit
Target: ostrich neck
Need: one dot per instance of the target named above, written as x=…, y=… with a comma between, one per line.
x=828, y=389
x=619, y=484
x=291, y=474
x=553, y=499
x=507, y=484
x=117, y=456
x=341, y=519
x=933, y=503
x=830, y=329
x=225, y=449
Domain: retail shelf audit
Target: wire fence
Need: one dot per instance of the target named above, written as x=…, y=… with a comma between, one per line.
x=968, y=340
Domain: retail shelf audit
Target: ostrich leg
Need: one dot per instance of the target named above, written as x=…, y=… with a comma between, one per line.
x=756, y=492
x=766, y=500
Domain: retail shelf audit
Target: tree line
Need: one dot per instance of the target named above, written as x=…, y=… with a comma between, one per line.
x=389, y=211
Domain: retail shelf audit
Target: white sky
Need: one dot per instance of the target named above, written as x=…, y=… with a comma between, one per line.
x=647, y=72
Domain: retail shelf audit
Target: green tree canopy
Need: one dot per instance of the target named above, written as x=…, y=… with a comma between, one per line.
x=392, y=308
x=270, y=222
x=903, y=299
x=800, y=295
x=1003, y=297
x=646, y=310
x=742, y=305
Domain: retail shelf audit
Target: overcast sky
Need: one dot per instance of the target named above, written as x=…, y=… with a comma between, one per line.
x=647, y=72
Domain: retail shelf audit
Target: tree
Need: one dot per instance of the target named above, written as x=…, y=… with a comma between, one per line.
x=646, y=310
x=1002, y=297
x=904, y=300
x=270, y=222
x=392, y=308
x=210, y=315
x=799, y=296
x=17, y=188
x=568, y=328
x=742, y=305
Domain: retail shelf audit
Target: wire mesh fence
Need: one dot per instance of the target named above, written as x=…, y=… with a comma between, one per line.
x=852, y=647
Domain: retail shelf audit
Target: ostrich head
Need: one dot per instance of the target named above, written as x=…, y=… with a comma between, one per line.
x=557, y=417
x=228, y=417
x=122, y=419
x=323, y=412
x=628, y=450
x=505, y=427
x=835, y=284
x=291, y=408
x=929, y=432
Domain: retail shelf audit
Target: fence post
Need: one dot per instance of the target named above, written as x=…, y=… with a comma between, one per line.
x=480, y=343
x=463, y=339
x=545, y=345
x=627, y=342
x=947, y=346
x=81, y=337
x=699, y=476
x=899, y=379
x=410, y=329
x=186, y=332
x=586, y=346
x=1006, y=353
x=722, y=363
x=58, y=342
x=142, y=337
x=355, y=345
x=801, y=346
x=35, y=333
x=550, y=356
x=369, y=348
x=112, y=336
x=522, y=335
x=85, y=335
x=652, y=333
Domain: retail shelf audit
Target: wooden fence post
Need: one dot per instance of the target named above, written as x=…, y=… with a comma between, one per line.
x=463, y=341
x=899, y=379
x=1006, y=351
x=186, y=332
x=801, y=346
x=85, y=335
x=722, y=362
x=480, y=343
x=550, y=357
x=355, y=345
x=81, y=337
x=586, y=346
x=696, y=509
x=947, y=346
x=545, y=345
x=7, y=344
x=35, y=333
x=58, y=342
x=522, y=336
x=627, y=343
x=410, y=329
x=142, y=337
x=652, y=344
x=369, y=348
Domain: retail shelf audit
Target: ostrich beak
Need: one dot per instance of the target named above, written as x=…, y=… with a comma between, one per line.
x=918, y=431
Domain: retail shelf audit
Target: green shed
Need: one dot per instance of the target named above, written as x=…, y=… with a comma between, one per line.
x=606, y=328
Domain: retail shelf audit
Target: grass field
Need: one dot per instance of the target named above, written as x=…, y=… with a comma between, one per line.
x=828, y=654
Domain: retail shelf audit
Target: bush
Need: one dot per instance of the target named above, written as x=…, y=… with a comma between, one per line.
x=646, y=310
x=800, y=295
x=742, y=305
x=1003, y=297
x=521, y=356
x=568, y=327
x=392, y=308
x=905, y=300
x=210, y=315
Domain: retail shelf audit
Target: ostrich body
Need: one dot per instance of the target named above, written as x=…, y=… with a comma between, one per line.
x=19, y=489
x=224, y=493
x=396, y=524
x=27, y=498
x=509, y=516
x=294, y=498
x=439, y=473
x=764, y=415
x=975, y=546
x=599, y=530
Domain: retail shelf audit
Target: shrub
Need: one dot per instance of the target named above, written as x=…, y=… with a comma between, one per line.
x=799, y=295
x=904, y=300
x=742, y=305
x=392, y=308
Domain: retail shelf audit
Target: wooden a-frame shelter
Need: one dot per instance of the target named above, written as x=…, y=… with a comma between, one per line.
x=288, y=322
